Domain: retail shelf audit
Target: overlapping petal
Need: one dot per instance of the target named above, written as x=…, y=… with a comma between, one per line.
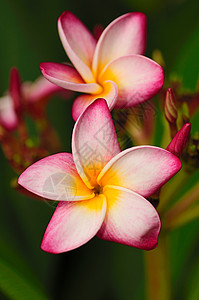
x=130, y=219
x=109, y=93
x=138, y=79
x=73, y=224
x=94, y=141
x=67, y=77
x=78, y=43
x=124, y=36
x=142, y=169
x=55, y=178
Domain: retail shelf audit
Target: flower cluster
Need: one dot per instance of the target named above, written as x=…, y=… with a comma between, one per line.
x=20, y=100
x=102, y=190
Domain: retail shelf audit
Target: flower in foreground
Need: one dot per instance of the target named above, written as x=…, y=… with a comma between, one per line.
x=113, y=67
x=101, y=190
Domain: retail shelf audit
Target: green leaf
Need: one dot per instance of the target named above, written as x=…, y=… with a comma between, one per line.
x=192, y=286
x=17, y=281
x=187, y=63
x=15, y=286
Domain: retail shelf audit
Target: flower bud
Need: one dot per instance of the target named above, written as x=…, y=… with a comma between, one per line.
x=15, y=90
x=170, y=108
x=180, y=140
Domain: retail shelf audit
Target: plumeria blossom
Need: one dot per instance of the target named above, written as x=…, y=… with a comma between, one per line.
x=113, y=67
x=28, y=96
x=102, y=191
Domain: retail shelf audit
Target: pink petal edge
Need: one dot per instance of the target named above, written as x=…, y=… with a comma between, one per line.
x=73, y=224
x=124, y=36
x=138, y=79
x=55, y=178
x=94, y=141
x=142, y=169
x=67, y=77
x=78, y=43
x=130, y=219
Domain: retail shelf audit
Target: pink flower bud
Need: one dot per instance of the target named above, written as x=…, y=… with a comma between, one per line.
x=171, y=112
x=179, y=141
x=15, y=90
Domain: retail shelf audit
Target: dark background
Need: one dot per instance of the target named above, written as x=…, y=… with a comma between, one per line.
x=99, y=270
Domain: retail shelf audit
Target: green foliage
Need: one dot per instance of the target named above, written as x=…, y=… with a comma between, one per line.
x=187, y=63
x=17, y=281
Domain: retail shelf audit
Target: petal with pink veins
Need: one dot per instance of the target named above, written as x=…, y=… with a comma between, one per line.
x=142, y=169
x=78, y=43
x=73, y=224
x=8, y=117
x=109, y=93
x=94, y=141
x=124, y=36
x=55, y=178
x=138, y=79
x=67, y=77
x=130, y=219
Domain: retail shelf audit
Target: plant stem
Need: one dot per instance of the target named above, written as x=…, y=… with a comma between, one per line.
x=184, y=218
x=166, y=138
x=157, y=271
x=171, y=189
x=48, y=136
x=184, y=211
x=183, y=205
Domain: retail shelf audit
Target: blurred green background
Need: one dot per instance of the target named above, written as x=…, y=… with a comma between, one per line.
x=99, y=270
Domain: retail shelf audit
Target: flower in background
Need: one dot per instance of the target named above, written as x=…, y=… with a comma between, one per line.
x=20, y=148
x=26, y=97
x=11, y=103
x=101, y=190
x=8, y=117
x=113, y=67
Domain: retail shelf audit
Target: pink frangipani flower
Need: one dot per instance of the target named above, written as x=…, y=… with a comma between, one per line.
x=113, y=67
x=101, y=190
